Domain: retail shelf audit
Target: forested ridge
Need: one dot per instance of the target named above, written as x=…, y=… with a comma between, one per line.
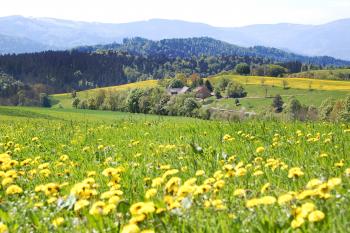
x=140, y=59
x=64, y=71
x=186, y=48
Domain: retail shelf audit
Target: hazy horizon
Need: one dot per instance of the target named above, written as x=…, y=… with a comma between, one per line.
x=222, y=13
x=151, y=19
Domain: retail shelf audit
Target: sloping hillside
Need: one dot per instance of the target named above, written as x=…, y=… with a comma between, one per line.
x=187, y=48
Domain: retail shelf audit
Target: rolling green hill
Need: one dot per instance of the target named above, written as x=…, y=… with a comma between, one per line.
x=189, y=47
x=338, y=74
x=260, y=90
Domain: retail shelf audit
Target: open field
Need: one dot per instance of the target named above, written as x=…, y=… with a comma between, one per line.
x=66, y=101
x=295, y=83
x=259, y=94
x=337, y=74
x=68, y=170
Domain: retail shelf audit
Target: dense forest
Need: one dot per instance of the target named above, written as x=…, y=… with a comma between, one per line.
x=187, y=48
x=63, y=71
x=27, y=78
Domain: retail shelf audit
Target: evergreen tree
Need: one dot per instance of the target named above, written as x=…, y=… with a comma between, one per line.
x=44, y=100
x=207, y=83
x=277, y=103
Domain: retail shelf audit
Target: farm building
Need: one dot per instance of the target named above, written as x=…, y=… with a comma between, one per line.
x=176, y=91
x=202, y=92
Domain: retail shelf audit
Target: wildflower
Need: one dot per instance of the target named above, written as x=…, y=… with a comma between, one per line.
x=97, y=208
x=108, y=208
x=80, y=204
x=316, y=216
x=347, y=171
x=142, y=208
x=64, y=158
x=260, y=149
x=3, y=228
x=333, y=182
x=297, y=222
x=200, y=173
x=91, y=173
x=313, y=183
x=239, y=192
x=267, y=200
x=57, y=221
x=110, y=171
x=148, y=231
x=258, y=173
x=13, y=189
x=295, y=172
x=150, y=193
x=172, y=185
x=6, y=181
x=339, y=164
x=131, y=228
x=265, y=188
x=114, y=200
x=227, y=137
x=284, y=199
x=137, y=218
x=157, y=182
x=51, y=200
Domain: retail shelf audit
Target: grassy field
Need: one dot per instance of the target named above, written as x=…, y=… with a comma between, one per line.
x=295, y=83
x=260, y=91
x=338, y=74
x=64, y=170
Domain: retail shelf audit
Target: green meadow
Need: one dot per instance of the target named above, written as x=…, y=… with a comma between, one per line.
x=66, y=170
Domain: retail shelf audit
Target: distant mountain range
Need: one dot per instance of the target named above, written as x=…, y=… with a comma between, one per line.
x=21, y=34
x=198, y=46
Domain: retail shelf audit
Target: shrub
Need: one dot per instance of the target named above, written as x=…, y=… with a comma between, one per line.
x=44, y=100
x=75, y=102
x=326, y=108
x=234, y=90
x=176, y=83
x=242, y=68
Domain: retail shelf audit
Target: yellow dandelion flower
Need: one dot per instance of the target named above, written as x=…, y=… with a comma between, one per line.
x=316, y=216
x=13, y=189
x=239, y=193
x=260, y=149
x=131, y=228
x=97, y=208
x=6, y=181
x=57, y=222
x=150, y=193
x=295, y=172
x=347, y=172
x=3, y=228
x=142, y=208
x=284, y=199
x=333, y=182
x=258, y=173
x=81, y=204
x=227, y=137
x=297, y=222
x=313, y=183
x=137, y=218
x=156, y=182
x=265, y=187
x=148, y=231
x=114, y=200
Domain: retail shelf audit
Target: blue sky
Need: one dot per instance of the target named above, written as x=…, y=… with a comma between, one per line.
x=214, y=12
